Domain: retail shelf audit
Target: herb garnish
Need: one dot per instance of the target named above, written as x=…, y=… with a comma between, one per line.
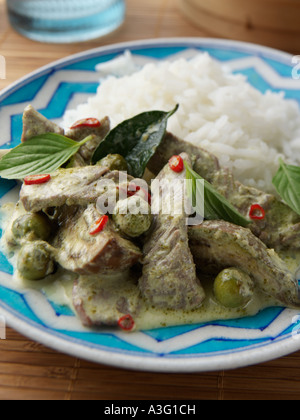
x=136, y=140
x=216, y=207
x=287, y=184
x=41, y=154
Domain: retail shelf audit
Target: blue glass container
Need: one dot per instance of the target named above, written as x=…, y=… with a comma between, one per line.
x=65, y=21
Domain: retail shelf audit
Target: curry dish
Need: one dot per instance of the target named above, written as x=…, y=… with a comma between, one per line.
x=143, y=270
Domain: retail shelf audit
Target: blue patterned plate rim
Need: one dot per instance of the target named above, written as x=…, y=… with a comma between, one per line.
x=268, y=348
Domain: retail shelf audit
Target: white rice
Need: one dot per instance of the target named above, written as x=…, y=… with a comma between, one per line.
x=219, y=111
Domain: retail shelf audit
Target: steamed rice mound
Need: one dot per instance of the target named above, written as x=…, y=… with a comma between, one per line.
x=219, y=111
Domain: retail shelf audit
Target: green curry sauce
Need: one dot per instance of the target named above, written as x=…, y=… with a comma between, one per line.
x=58, y=288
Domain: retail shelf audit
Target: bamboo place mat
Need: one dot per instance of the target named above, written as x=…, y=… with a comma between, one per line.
x=31, y=371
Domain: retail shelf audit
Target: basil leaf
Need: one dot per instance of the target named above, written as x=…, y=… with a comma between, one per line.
x=287, y=184
x=38, y=155
x=136, y=140
x=216, y=207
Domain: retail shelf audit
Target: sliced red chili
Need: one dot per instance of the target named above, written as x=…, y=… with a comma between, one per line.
x=176, y=164
x=99, y=225
x=126, y=323
x=37, y=179
x=257, y=212
x=87, y=122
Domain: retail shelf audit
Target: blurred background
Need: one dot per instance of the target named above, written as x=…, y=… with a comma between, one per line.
x=273, y=23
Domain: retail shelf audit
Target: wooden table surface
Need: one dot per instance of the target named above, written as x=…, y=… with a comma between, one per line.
x=29, y=370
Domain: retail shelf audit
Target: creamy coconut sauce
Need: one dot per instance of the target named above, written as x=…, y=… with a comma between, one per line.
x=58, y=289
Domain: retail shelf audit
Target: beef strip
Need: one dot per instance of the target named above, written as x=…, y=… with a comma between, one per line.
x=104, y=253
x=74, y=186
x=281, y=227
x=103, y=301
x=35, y=124
x=85, y=154
x=217, y=245
x=169, y=278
